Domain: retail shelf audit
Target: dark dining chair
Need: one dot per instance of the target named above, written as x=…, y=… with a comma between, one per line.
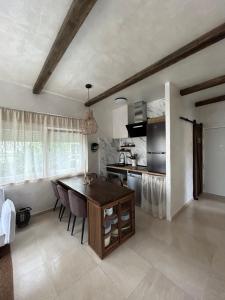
x=54, y=186
x=103, y=178
x=94, y=176
x=115, y=180
x=64, y=199
x=78, y=208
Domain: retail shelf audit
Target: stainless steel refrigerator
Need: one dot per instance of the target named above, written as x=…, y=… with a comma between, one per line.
x=156, y=147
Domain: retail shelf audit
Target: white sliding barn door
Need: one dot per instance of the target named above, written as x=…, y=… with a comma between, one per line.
x=214, y=161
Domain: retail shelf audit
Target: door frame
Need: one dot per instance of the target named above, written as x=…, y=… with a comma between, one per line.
x=197, y=157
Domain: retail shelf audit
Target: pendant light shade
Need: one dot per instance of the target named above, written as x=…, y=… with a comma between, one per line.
x=89, y=125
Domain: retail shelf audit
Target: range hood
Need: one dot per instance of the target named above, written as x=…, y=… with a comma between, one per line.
x=137, y=117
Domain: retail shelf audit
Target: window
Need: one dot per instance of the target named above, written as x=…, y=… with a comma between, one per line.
x=34, y=146
x=66, y=145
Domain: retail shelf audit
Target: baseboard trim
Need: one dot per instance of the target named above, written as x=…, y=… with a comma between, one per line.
x=42, y=212
x=212, y=196
x=185, y=205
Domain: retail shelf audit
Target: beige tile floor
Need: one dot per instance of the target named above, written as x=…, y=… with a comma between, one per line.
x=184, y=259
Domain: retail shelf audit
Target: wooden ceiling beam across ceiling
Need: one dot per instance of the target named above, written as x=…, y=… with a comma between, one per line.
x=210, y=101
x=75, y=17
x=196, y=45
x=203, y=85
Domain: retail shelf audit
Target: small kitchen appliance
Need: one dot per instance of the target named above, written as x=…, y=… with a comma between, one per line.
x=122, y=159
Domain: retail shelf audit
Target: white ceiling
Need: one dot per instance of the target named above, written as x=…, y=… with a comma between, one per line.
x=118, y=39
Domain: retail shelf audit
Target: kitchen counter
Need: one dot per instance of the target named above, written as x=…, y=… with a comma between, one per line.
x=138, y=169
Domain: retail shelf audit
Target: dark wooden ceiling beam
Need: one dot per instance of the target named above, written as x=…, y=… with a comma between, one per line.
x=75, y=17
x=210, y=101
x=198, y=44
x=203, y=85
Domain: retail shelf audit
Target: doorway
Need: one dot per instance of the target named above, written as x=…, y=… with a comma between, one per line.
x=197, y=157
x=197, y=160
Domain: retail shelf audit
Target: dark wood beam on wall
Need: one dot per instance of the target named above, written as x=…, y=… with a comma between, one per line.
x=210, y=101
x=196, y=45
x=75, y=17
x=203, y=85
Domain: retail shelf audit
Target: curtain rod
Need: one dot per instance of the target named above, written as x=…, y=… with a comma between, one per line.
x=39, y=113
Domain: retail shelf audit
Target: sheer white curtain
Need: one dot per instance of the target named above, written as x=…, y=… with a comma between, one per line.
x=154, y=195
x=34, y=146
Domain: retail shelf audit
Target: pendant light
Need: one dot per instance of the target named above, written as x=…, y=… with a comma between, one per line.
x=89, y=125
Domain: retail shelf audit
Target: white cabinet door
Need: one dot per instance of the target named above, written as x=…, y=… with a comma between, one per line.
x=120, y=120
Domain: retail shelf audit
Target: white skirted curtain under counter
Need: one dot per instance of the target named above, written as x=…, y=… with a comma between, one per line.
x=34, y=146
x=154, y=195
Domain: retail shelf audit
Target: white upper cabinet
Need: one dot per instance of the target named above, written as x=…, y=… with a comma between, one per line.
x=120, y=120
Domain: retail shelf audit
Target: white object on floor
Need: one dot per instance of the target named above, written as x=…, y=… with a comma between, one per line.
x=7, y=223
x=2, y=198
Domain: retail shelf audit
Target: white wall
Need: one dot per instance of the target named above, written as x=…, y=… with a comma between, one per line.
x=211, y=115
x=17, y=97
x=214, y=160
x=39, y=194
x=103, y=116
x=213, y=118
x=179, y=148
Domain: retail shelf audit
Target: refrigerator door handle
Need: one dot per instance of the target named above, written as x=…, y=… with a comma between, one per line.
x=138, y=126
x=156, y=152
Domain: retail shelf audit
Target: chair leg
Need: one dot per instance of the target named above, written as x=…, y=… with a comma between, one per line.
x=63, y=210
x=74, y=220
x=56, y=202
x=82, y=235
x=68, y=227
x=60, y=210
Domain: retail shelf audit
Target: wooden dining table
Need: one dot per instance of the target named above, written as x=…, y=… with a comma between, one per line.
x=101, y=197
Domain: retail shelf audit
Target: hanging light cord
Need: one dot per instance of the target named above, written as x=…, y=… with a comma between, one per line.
x=88, y=86
x=88, y=93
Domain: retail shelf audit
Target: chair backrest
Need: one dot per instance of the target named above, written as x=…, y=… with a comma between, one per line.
x=54, y=186
x=63, y=195
x=115, y=180
x=92, y=175
x=103, y=178
x=78, y=204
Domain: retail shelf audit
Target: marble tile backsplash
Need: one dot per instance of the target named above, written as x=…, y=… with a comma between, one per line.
x=139, y=149
x=108, y=153
x=156, y=108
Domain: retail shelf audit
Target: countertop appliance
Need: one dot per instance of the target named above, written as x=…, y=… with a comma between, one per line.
x=122, y=159
x=134, y=183
x=137, y=115
x=156, y=147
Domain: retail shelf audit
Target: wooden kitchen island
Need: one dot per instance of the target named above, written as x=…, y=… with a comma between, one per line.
x=111, y=213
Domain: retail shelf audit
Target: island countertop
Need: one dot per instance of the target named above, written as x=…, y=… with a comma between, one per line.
x=102, y=197
x=100, y=192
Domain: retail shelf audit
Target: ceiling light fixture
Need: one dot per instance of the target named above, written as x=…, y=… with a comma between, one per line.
x=90, y=125
x=120, y=100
